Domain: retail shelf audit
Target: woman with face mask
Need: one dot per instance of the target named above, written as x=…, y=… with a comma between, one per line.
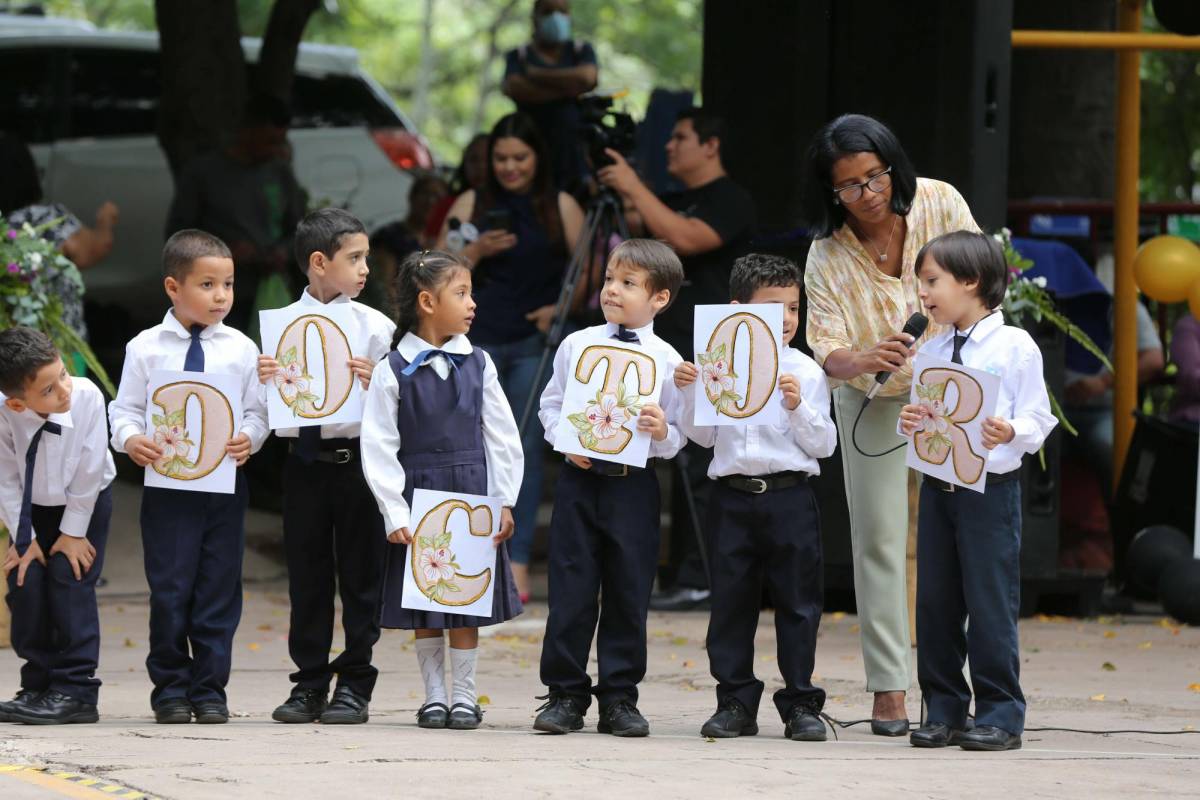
x=545, y=78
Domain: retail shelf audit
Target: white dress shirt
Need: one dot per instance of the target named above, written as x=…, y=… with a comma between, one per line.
x=380, y=441
x=1011, y=354
x=552, y=397
x=804, y=435
x=165, y=346
x=71, y=468
x=374, y=331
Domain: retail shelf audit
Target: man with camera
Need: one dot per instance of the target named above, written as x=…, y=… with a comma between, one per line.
x=709, y=224
x=545, y=79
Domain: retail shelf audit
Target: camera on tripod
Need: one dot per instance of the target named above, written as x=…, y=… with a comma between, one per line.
x=602, y=126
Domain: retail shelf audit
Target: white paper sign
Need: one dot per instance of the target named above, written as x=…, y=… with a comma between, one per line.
x=451, y=563
x=738, y=352
x=192, y=416
x=607, y=385
x=950, y=444
x=314, y=385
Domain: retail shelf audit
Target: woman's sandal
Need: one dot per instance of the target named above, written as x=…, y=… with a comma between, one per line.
x=433, y=715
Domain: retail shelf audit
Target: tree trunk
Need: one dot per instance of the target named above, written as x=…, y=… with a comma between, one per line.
x=1062, y=139
x=281, y=42
x=203, y=76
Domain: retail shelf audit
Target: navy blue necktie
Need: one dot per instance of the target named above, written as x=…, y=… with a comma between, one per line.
x=625, y=335
x=25, y=524
x=308, y=443
x=194, y=360
x=959, y=341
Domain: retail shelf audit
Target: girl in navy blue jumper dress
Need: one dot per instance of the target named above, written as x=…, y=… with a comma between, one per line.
x=436, y=418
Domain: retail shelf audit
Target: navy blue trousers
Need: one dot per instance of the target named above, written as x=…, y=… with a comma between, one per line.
x=773, y=537
x=603, y=554
x=55, y=622
x=969, y=568
x=193, y=543
x=334, y=542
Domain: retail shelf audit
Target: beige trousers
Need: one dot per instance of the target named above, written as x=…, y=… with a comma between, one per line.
x=877, y=495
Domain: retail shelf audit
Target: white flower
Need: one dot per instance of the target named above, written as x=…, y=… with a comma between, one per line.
x=716, y=377
x=937, y=420
x=1006, y=232
x=435, y=564
x=290, y=382
x=1039, y=281
x=172, y=441
x=606, y=417
x=35, y=260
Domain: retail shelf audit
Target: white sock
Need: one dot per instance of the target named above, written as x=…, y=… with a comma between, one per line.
x=463, y=664
x=431, y=658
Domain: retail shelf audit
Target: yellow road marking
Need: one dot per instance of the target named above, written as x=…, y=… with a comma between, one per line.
x=69, y=784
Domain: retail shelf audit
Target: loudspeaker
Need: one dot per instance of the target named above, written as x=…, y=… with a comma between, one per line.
x=936, y=71
x=1040, y=485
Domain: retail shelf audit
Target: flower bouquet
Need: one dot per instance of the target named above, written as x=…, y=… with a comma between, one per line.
x=33, y=273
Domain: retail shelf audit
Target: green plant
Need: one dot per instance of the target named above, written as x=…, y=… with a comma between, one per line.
x=29, y=294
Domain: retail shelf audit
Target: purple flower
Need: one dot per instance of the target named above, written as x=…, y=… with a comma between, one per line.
x=12, y=267
x=12, y=234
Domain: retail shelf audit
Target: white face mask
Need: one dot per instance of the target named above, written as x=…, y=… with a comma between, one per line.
x=554, y=28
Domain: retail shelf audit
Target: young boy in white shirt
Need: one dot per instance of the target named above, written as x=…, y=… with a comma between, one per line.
x=763, y=523
x=193, y=541
x=332, y=531
x=55, y=471
x=969, y=543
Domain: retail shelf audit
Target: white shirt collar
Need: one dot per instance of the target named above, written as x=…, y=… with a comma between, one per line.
x=610, y=330
x=412, y=345
x=986, y=325
x=171, y=323
x=307, y=299
x=32, y=420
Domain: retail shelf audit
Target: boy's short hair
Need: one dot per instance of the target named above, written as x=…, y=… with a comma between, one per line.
x=757, y=270
x=23, y=351
x=970, y=256
x=663, y=268
x=323, y=231
x=185, y=246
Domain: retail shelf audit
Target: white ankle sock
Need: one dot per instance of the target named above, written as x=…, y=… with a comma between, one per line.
x=431, y=658
x=463, y=664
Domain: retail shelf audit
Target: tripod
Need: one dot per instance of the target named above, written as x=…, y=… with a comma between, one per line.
x=605, y=216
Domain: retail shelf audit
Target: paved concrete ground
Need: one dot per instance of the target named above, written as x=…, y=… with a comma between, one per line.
x=1100, y=674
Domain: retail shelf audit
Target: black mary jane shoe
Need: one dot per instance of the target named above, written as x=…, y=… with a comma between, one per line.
x=465, y=717
x=433, y=715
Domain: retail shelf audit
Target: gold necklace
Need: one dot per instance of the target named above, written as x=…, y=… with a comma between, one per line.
x=883, y=256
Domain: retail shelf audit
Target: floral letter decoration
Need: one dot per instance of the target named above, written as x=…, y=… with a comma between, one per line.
x=948, y=446
x=191, y=418
x=738, y=355
x=434, y=579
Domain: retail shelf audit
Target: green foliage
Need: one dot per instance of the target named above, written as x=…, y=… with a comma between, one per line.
x=1170, y=151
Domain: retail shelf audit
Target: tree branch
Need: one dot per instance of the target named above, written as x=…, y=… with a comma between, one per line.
x=281, y=42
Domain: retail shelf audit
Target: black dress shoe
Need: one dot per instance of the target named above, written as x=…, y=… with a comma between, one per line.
x=433, y=715
x=803, y=725
x=305, y=705
x=21, y=699
x=173, y=712
x=935, y=734
x=989, y=737
x=731, y=720
x=623, y=719
x=346, y=708
x=211, y=713
x=464, y=717
x=889, y=727
x=560, y=714
x=681, y=598
x=53, y=708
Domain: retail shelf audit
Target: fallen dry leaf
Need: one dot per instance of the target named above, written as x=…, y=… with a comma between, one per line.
x=1110, y=634
x=679, y=641
x=687, y=664
x=484, y=700
x=254, y=645
x=1099, y=698
x=129, y=643
x=1195, y=687
x=1108, y=666
x=1145, y=646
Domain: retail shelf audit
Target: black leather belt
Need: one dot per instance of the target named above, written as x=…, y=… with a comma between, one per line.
x=992, y=479
x=608, y=469
x=760, y=484
x=334, y=451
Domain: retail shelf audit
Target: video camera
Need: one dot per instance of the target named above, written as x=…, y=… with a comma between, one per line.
x=601, y=126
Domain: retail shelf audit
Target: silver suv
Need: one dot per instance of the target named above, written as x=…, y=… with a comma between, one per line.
x=86, y=101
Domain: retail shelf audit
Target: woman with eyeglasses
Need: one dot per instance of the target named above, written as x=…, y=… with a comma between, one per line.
x=869, y=215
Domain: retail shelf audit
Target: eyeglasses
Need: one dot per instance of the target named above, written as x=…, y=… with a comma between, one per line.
x=854, y=192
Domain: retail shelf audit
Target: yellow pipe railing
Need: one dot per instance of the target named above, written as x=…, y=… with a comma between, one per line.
x=1109, y=40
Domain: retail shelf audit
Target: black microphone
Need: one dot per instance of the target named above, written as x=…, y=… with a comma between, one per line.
x=915, y=327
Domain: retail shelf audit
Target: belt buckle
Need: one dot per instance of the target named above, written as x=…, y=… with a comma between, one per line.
x=947, y=486
x=624, y=473
x=343, y=456
x=759, y=484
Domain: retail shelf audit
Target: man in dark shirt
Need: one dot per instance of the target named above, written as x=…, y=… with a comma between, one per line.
x=545, y=78
x=709, y=224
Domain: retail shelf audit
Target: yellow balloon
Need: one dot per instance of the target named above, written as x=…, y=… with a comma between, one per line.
x=1194, y=299
x=1166, y=268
